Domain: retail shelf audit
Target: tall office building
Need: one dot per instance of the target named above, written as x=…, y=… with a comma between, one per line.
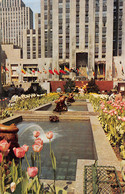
x=84, y=33
x=14, y=17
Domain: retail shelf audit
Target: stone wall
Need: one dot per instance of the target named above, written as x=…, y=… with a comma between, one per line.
x=103, y=85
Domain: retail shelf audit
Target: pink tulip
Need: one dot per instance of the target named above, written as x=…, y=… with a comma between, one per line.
x=12, y=186
x=25, y=147
x=102, y=107
x=115, y=112
x=4, y=145
x=32, y=171
x=39, y=141
x=119, y=118
x=123, y=119
x=37, y=147
x=1, y=157
x=49, y=135
x=19, y=152
x=36, y=133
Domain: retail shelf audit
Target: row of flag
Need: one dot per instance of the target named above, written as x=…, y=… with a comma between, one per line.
x=61, y=71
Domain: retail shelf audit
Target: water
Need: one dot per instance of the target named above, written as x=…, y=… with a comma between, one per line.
x=71, y=108
x=72, y=140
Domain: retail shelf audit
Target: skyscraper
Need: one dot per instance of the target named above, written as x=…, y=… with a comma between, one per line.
x=84, y=33
x=14, y=17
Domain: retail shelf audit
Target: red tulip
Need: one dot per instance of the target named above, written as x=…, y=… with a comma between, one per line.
x=32, y=171
x=25, y=147
x=37, y=147
x=36, y=133
x=1, y=157
x=19, y=152
x=12, y=186
x=4, y=145
x=39, y=141
x=49, y=135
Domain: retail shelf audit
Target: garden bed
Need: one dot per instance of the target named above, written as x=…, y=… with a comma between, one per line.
x=116, y=150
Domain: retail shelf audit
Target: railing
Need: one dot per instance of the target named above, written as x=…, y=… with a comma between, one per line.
x=101, y=179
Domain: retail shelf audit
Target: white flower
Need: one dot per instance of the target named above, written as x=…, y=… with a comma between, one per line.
x=12, y=186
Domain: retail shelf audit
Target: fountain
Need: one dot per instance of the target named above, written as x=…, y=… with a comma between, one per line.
x=60, y=104
x=71, y=140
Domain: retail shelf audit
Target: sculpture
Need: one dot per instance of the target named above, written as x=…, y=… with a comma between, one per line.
x=54, y=118
x=70, y=98
x=60, y=104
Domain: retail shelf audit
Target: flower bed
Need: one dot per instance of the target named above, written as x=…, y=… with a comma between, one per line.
x=13, y=179
x=112, y=119
x=28, y=102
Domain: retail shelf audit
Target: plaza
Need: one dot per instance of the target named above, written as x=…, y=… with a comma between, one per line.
x=62, y=97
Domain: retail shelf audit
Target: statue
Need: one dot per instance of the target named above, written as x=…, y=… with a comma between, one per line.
x=70, y=98
x=60, y=104
x=54, y=118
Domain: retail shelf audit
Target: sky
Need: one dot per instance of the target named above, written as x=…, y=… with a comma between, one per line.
x=33, y=4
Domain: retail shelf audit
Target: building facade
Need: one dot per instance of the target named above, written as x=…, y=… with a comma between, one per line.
x=83, y=35
x=14, y=17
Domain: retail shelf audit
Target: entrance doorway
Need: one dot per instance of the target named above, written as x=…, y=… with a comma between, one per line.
x=100, y=70
x=82, y=64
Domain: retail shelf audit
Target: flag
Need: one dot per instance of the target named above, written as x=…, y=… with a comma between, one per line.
x=50, y=71
x=44, y=70
x=122, y=71
x=61, y=71
x=93, y=72
x=23, y=71
x=55, y=71
x=39, y=71
x=104, y=70
x=33, y=71
x=74, y=70
x=98, y=70
x=77, y=70
x=6, y=69
x=1, y=69
x=87, y=70
x=28, y=71
x=66, y=69
x=116, y=73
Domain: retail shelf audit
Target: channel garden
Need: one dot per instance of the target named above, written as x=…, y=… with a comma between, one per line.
x=14, y=179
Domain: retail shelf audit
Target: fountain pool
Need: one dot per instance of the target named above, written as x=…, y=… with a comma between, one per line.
x=72, y=140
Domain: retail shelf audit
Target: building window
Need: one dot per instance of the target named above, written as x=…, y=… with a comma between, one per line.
x=28, y=47
x=67, y=27
x=86, y=22
x=77, y=22
x=48, y=28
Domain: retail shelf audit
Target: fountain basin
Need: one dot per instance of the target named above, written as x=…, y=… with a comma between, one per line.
x=72, y=140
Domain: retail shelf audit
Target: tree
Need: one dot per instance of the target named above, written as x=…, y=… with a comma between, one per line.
x=92, y=87
x=69, y=86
